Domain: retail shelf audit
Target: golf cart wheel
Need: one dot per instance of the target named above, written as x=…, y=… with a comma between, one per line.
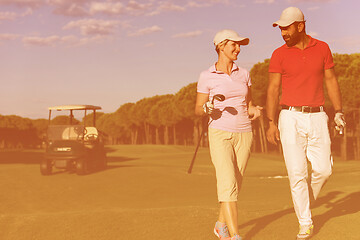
x=45, y=167
x=81, y=167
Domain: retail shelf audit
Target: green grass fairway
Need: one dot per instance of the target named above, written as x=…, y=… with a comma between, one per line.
x=145, y=193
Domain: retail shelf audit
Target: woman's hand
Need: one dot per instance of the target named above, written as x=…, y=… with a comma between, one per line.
x=254, y=112
x=208, y=108
x=201, y=99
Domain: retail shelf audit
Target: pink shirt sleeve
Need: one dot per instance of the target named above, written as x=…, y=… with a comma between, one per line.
x=248, y=79
x=203, y=85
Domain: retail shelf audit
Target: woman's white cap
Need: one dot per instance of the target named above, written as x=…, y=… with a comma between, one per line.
x=228, y=34
x=289, y=16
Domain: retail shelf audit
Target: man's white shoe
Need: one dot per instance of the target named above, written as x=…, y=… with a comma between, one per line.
x=305, y=232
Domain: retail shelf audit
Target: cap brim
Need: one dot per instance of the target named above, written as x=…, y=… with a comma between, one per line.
x=241, y=41
x=245, y=41
x=282, y=23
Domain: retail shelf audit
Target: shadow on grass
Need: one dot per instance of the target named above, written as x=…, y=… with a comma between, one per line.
x=56, y=171
x=109, y=149
x=117, y=159
x=21, y=156
x=346, y=205
x=35, y=157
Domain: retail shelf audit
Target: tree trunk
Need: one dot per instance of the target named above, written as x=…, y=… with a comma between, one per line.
x=254, y=143
x=174, y=134
x=186, y=138
x=147, y=133
x=357, y=148
x=201, y=129
x=166, y=135
x=343, y=146
x=357, y=136
x=263, y=141
x=195, y=133
x=134, y=136
x=157, y=138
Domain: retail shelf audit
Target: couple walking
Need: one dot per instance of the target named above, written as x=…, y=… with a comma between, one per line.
x=299, y=68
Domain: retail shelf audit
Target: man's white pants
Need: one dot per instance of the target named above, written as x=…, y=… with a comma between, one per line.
x=305, y=136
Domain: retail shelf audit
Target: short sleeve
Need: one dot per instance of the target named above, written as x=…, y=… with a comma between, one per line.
x=248, y=78
x=275, y=62
x=203, y=84
x=328, y=59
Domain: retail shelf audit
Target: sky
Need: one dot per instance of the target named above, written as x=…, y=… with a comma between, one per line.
x=111, y=52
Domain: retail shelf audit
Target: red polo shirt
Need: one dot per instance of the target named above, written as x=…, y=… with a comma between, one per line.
x=302, y=72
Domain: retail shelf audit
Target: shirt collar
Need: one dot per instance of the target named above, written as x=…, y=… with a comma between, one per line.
x=312, y=42
x=213, y=68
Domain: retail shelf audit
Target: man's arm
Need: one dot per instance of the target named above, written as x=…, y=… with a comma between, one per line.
x=272, y=101
x=333, y=89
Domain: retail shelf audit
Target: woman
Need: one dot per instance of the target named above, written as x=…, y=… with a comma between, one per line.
x=230, y=132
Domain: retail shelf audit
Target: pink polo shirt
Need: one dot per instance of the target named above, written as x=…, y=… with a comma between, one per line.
x=302, y=72
x=234, y=116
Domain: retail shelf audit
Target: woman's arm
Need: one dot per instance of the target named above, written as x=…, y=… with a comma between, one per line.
x=253, y=111
x=201, y=99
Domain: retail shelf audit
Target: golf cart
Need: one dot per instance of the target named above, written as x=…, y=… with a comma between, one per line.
x=73, y=146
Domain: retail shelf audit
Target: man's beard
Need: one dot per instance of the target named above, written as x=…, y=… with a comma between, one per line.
x=291, y=40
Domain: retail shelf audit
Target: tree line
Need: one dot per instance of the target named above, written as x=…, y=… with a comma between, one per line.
x=170, y=118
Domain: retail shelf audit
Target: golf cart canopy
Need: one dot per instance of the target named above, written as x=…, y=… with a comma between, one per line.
x=75, y=107
x=72, y=108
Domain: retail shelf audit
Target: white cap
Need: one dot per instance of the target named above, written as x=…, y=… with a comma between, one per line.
x=227, y=34
x=289, y=16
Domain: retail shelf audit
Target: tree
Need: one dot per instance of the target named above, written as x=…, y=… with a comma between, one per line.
x=347, y=70
x=141, y=115
x=123, y=118
x=185, y=105
x=259, y=80
x=163, y=114
x=89, y=119
x=40, y=126
x=17, y=132
x=107, y=125
x=63, y=120
x=13, y=121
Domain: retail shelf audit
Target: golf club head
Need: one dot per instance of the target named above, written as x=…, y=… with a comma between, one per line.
x=218, y=97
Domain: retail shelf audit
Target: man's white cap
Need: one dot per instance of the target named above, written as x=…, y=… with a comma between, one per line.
x=289, y=16
x=228, y=34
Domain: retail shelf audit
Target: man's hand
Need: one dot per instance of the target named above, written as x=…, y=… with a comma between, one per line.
x=208, y=107
x=273, y=134
x=254, y=112
x=339, y=120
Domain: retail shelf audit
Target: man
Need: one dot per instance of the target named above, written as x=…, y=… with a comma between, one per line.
x=300, y=67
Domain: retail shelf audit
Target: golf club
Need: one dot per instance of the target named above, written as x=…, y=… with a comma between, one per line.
x=220, y=98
